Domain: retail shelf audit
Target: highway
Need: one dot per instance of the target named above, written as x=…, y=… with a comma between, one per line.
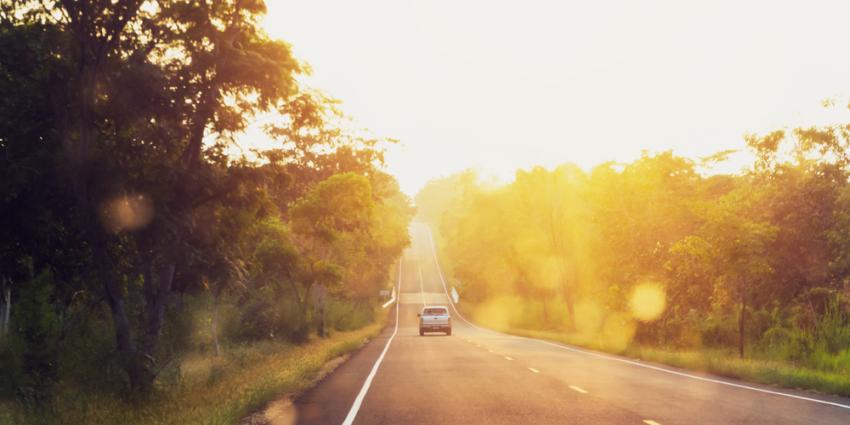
x=478, y=376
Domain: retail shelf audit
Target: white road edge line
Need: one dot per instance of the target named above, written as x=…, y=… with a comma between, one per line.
x=579, y=390
x=627, y=361
x=352, y=413
x=508, y=358
x=650, y=422
x=533, y=370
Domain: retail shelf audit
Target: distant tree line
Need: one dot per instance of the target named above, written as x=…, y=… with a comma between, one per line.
x=125, y=213
x=753, y=262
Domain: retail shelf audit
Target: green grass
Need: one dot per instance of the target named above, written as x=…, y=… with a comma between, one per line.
x=718, y=362
x=209, y=390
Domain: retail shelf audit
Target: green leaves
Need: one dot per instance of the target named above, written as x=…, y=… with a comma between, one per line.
x=342, y=203
x=101, y=100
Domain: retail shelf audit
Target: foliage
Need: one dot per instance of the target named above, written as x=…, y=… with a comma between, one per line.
x=210, y=390
x=131, y=228
x=654, y=253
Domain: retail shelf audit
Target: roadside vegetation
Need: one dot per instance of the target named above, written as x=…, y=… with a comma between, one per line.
x=744, y=275
x=146, y=257
x=210, y=389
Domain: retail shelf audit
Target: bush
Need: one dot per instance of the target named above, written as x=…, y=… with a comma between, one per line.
x=11, y=367
x=717, y=331
x=266, y=318
x=88, y=350
x=32, y=355
x=345, y=315
x=833, y=328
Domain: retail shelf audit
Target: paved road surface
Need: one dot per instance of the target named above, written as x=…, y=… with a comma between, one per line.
x=478, y=376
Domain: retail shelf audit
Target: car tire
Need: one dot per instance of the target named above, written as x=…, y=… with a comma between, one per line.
x=421, y=332
x=449, y=332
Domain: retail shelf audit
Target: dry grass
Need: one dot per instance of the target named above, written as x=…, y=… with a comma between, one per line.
x=210, y=390
x=718, y=362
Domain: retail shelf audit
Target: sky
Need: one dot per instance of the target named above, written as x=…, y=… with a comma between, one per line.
x=502, y=85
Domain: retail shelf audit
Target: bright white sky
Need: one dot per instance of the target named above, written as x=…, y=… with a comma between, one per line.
x=501, y=85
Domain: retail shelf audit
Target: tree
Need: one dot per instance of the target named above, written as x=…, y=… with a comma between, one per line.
x=325, y=222
x=740, y=243
x=131, y=90
x=552, y=205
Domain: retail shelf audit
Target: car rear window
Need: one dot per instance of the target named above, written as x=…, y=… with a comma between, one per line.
x=435, y=312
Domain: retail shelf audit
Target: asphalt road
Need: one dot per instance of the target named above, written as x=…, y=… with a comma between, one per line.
x=477, y=376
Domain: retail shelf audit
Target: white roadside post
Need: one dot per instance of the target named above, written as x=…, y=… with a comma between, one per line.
x=390, y=301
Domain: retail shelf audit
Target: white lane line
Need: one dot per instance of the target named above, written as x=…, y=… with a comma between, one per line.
x=579, y=390
x=650, y=422
x=627, y=361
x=508, y=358
x=352, y=413
x=533, y=370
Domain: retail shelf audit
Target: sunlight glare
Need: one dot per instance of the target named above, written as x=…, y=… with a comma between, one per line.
x=648, y=301
x=127, y=213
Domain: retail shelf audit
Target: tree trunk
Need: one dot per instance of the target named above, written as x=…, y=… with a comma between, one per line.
x=741, y=327
x=120, y=322
x=5, y=311
x=569, y=299
x=158, y=293
x=123, y=339
x=569, y=279
x=214, y=325
x=322, y=321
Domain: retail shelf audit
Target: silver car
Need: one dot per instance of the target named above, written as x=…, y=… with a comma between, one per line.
x=435, y=319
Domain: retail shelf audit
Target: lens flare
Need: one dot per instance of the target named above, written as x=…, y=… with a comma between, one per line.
x=648, y=301
x=127, y=213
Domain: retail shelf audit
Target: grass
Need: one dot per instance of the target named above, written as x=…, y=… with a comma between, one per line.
x=210, y=390
x=718, y=362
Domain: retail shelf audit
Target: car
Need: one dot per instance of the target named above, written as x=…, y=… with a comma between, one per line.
x=435, y=319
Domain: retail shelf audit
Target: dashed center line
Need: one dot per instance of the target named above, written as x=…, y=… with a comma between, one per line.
x=650, y=422
x=579, y=390
x=508, y=358
x=533, y=370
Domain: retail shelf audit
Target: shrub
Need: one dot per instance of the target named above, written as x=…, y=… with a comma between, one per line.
x=267, y=318
x=345, y=315
x=35, y=332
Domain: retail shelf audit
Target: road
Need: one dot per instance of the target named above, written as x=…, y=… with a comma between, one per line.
x=478, y=376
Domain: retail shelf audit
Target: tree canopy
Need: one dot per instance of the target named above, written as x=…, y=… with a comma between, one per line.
x=120, y=189
x=729, y=260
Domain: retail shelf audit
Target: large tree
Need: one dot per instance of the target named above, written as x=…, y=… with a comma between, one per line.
x=136, y=102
